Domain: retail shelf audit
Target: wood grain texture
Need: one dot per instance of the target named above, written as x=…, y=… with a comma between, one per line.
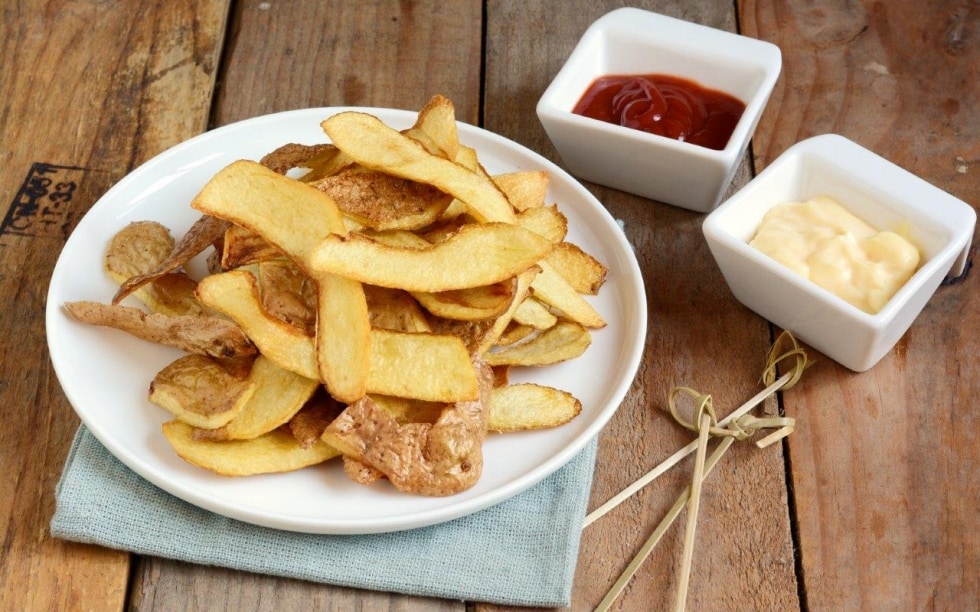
x=173, y=585
x=87, y=93
x=697, y=336
x=286, y=55
x=884, y=463
x=878, y=483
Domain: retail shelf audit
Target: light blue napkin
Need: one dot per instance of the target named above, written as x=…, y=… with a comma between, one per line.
x=520, y=552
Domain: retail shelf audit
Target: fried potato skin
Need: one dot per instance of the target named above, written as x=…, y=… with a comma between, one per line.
x=437, y=459
x=200, y=391
x=211, y=336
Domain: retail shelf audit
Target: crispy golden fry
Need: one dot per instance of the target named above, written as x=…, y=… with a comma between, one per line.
x=564, y=340
x=518, y=407
x=279, y=395
x=200, y=391
x=435, y=128
x=583, y=272
x=295, y=217
x=236, y=294
x=525, y=280
x=422, y=366
x=514, y=333
x=204, y=233
x=524, y=189
x=211, y=336
x=525, y=406
x=375, y=145
x=441, y=458
x=288, y=214
x=477, y=255
x=276, y=451
x=474, y=304
x=533, y=313
x=429, y=367
x=546, y=221
x=553, y=290
x=343, y=336
x=380, y=201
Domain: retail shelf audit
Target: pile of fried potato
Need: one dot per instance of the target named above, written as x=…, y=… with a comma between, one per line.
x=365, y=299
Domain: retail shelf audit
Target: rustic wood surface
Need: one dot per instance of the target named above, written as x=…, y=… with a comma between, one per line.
x=885, y=464
x=870, y=504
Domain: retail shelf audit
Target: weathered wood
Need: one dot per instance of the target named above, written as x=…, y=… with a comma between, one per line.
x=88, y=93
x=882, y=466
x=884, y=463
x=172, y=585
x=287, y=55
x=697, y=336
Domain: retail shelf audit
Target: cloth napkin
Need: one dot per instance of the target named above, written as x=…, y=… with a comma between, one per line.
x=522, y=551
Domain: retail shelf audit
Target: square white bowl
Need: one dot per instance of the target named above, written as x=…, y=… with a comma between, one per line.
x=631, y=41
x=875, y=190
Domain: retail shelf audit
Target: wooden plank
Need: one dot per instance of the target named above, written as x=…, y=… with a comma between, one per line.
x=294, y=55
x=697, y=336
x=168, y=585
x=376, y=53
x=88, y=93
x=884, y=463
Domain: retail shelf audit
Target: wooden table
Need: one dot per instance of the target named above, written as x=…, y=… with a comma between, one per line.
x=873, y=503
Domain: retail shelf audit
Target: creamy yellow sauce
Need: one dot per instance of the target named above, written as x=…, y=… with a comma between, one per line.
x=822, y=241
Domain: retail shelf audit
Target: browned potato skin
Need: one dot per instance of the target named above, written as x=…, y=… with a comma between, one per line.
x=441, y=458
x=206, y=231
x=212, y=336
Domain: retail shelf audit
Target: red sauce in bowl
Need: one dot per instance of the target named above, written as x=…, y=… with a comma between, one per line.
x=665, y=105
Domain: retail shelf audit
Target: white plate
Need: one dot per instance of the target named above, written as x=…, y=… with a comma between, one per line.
x=106, y=373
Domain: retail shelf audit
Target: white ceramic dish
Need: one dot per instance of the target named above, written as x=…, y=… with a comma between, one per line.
x=106, y=373
x=631, y=41
x=875, y=190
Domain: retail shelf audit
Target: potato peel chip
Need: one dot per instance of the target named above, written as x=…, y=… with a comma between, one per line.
x=279, y=394
x=199, y=391
x=441, y=458
x=202, y=234
x=211, y=336
x=563, y=341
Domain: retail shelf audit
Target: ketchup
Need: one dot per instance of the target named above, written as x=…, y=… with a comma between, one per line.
x=665, y=105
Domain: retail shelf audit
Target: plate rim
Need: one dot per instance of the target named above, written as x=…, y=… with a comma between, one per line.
x=420, y=518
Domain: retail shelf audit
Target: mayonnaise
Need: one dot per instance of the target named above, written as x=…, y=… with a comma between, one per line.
x=820, y=240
